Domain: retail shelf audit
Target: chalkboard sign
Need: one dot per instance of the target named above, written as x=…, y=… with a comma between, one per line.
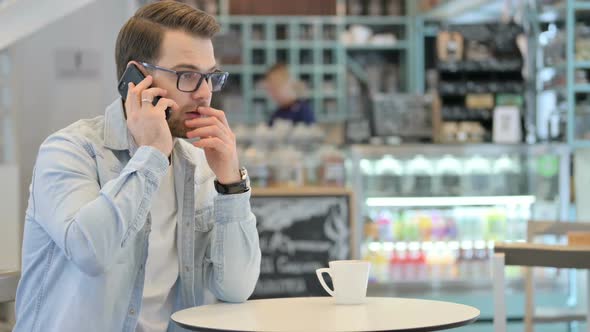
x=299, y=234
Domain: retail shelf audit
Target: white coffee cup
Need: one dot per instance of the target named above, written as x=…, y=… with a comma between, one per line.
x=349, y=278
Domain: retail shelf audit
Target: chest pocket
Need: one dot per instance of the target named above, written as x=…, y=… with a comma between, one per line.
x=204, y=219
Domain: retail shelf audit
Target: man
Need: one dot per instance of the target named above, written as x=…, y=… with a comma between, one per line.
x=126, y=223
x=286, y=93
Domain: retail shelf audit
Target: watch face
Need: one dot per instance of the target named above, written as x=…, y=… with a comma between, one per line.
x=243, y=173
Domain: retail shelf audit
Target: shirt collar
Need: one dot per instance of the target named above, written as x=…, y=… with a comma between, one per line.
x=116, y=134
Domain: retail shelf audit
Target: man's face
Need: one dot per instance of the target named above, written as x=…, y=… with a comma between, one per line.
x=278, y=88
x=181, y=51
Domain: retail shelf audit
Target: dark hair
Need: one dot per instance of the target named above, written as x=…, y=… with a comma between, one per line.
x=140, y=38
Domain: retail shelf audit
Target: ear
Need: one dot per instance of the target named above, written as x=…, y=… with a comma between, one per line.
x=139, y=66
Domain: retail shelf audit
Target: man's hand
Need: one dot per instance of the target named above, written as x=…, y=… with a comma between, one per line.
x=219, y=143
x=147, y=123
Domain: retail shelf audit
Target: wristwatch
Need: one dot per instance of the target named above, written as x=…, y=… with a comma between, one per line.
x=235, y=188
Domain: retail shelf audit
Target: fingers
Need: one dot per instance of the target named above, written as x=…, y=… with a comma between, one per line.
x=164, y=103
x=210, y=111
x=214, y=143
x=152, y=93
x=130, y=102
x=210, y=131
x=133, y=101
x=135, y=91
x=205, y=122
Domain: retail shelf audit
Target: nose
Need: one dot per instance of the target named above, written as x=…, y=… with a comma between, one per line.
x=203, y=92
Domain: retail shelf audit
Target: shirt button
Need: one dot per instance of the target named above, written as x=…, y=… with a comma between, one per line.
x=132, y=311
x=186, y=268
x=141, y=267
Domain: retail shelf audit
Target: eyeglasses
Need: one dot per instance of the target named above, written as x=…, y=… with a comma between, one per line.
x=190, y=81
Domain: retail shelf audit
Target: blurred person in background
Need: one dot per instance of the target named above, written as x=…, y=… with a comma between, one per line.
x=127, y=223
x=286, y=92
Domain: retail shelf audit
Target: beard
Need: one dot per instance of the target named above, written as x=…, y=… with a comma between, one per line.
x=177, y=119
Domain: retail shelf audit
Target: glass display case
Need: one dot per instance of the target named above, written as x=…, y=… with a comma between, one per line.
x=431, y=213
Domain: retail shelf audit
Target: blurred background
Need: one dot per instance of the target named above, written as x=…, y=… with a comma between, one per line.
x=438, y=129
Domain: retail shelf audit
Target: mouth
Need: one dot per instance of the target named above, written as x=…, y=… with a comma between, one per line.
x=193, y=115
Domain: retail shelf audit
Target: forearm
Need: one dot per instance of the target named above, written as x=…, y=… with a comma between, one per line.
x=91, y=224
x=235, y=252
x=103, y=227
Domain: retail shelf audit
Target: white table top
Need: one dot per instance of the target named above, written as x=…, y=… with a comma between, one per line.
x=321, y=314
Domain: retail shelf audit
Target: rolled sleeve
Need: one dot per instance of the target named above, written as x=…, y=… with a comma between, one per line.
x=149, y=160
x=232, y=208
x=235, y=249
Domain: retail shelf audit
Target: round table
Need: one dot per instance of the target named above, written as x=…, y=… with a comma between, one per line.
x=321, y=314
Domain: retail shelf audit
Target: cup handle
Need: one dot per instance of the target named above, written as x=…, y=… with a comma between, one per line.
x=319, y=272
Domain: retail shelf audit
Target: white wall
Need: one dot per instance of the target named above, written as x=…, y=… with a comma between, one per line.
x=9, y=207
x=23, y=17
x=46, y=98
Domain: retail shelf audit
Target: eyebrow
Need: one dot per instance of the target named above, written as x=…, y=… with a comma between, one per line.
x=193, y=67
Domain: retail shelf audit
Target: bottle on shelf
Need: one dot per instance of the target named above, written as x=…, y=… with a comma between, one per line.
x=385, y=225
x=495, y=225
x=464, y=260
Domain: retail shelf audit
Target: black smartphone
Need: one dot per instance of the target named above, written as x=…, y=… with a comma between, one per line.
x=133, y=74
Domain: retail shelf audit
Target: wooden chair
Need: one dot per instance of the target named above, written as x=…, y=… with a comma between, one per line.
x=530, y=255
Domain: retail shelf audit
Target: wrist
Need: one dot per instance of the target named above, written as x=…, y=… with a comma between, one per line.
x=162, y=149
x=236, y=187
x=230, y=177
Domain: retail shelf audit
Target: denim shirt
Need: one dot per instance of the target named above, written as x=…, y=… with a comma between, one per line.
x=88, y=222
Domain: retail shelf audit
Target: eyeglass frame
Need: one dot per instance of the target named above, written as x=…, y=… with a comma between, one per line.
x=181, y=72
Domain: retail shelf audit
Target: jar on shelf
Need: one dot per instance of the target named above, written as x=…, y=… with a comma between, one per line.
x=258, y=168
x=478, y=176
x=332, y=168
x=418, y=179
x=507, y=177
x=389, y=173
x=369, y=179
x=287, y=167
x=448, y=175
